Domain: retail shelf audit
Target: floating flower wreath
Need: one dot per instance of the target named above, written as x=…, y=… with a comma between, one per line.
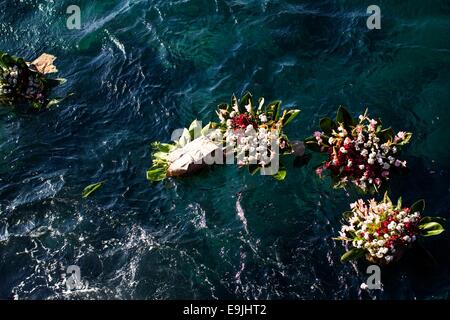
x=27, y=82
x=383, y=231
x=359, y=150
x=252, y=135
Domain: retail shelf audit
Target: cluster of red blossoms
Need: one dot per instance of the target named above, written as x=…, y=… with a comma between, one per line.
x=361, y=154
x=242, y=121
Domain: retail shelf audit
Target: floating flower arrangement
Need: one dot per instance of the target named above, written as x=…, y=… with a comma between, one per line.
x=27, y=83
x=383, y=231
x=247, y=134
x=359, y=151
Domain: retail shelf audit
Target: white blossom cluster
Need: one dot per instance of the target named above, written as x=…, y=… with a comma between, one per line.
x=252, y=146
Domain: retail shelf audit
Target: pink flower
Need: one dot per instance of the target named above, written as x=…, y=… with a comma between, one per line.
x=398, y=163
x=319, y=171
x=347, y=141
x=317, y=134
x=401, y=135
x=372, y=125
x=385, y=174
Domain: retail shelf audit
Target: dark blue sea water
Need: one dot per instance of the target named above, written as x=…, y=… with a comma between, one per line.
x=138, y=70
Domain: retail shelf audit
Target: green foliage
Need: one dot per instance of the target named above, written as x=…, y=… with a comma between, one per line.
x=281, y=174
x=327, y=125
x=428, y=229
x=352, y=254
x=344, y=117
x=87, y=191
x=288, y=116
x=418, y=206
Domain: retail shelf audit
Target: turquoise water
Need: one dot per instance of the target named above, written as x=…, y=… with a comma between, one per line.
x=140, y=69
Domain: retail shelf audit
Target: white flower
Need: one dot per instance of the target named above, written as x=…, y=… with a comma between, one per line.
x=392, y=225
x=263, y=118
x=364, y=286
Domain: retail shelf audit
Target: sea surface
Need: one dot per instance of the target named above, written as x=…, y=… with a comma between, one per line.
x=140, y=69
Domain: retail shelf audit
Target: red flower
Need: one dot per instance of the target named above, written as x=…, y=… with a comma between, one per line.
x=242, y=121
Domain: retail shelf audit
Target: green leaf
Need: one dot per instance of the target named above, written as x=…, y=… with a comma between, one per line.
x=289, y=116
x=235, y=105
x=347, y=214
x=260, y=103
x=195, y=129
x=352, y=254
x=157, y=174
x=55, y=82
x=399, y=203
x=311, y=144
x=425, y=220
x=418, y=206
x=247, y=99
x=327, y=125
x=386, y=198
x=386, y=135
x=224, y=106
x=431, y=229
x=273, y=110
x=408, y=136
x=344, y=117
x=206, y=129
x=185, y=138
x=54, y=102
x=281, y=174
x=253, y=168
x=160, y=155
x=92, y=188
x=162, y=147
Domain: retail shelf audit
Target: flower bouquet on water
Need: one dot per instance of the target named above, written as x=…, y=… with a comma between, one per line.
x=246, y=134
x=27, y=83
x=254, y=136
x=383, y=231
x=359, y=150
